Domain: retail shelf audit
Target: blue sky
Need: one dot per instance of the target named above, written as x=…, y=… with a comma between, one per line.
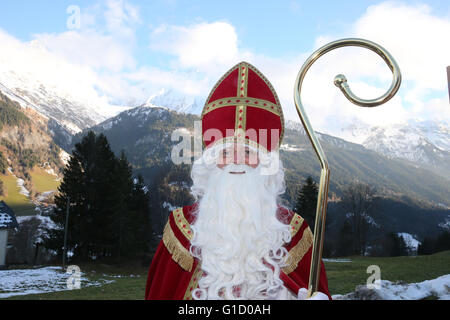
x=274, y=28
x=133, y=49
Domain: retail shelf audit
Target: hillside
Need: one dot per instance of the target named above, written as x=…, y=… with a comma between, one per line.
x=349, y=161
x=30, y=160
x=426, y=143
x=144, y=133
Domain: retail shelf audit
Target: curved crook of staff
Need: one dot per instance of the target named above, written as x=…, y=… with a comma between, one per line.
x=341, y=82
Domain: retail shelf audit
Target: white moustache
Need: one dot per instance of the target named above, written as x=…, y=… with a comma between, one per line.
x=238, y=168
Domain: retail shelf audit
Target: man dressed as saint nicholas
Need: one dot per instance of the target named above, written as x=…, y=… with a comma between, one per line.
x=236, y=241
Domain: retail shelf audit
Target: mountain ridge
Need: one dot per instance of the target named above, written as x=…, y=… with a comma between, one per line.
x=145, y=121
x=426, y=143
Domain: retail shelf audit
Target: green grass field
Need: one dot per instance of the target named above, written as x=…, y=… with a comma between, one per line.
x=129, y=284
x=20, y=203
x=43, y=181
x=343, y=277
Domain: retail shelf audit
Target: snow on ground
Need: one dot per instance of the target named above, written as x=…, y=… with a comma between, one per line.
x=291, y=148
x=337, y=260
x=439, y=288
x=45, y=220
x=446, y=224
x=45, y=195
x=64, y=156
x=42, y=280
x=20, y=184
x=51, y=171
x=368, y=219
x=410, y=240
x=23, y=190
x=45, y=224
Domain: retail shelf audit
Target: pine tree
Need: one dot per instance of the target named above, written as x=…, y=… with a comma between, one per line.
x=344, y=246
x=123, y=184
x=132, y=218
x=358, y=200
x=102, y=195
x=139, y=223
x=432, y=245
x=397, y=245
x=427, y=246
x=443, y=242
x=307, y=202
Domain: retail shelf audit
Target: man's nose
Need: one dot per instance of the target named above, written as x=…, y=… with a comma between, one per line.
x=238, y=157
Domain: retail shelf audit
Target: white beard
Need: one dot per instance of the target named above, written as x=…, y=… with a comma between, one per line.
x=237, y=236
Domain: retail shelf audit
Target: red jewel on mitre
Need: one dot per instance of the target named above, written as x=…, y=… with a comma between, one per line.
x=243, y=106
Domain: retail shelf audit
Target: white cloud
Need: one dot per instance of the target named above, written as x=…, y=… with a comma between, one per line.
x=414, y=36
x=101, y=60
x=86, y=64
x=89, y=62
x=105, y=40
x=209, y=49
x=203, y=46
x=88, y=48
x=31, y=65
x=121, y=18
x=201, y=53
x=185, y=82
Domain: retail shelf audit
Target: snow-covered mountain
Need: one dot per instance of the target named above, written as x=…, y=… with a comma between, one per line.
x=66, y=110
x=323, y=138
x=412, y=133
x=426, y=143
x=74, y=114
x=170, y=99
x=64, y=93
x=410, y=240
x=69, y=113
x=74, y=106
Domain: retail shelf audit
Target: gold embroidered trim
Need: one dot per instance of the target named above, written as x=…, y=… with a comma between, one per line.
x=179, y=253
x=296, y=254
x=296, y=223
x=182, y=223
x=196, y=276
x=240, y=122
x=249, y=102
x=274, y=94
x=241, y=109
x=242, y=81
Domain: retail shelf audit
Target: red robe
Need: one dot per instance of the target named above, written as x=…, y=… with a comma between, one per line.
x=174, y=272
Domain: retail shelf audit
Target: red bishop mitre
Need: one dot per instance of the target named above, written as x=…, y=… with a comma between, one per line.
x=243, y=106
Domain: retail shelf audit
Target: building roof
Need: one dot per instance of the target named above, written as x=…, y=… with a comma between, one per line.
x=7, y=217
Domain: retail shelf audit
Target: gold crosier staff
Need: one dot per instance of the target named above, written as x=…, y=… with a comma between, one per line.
x=341, y=82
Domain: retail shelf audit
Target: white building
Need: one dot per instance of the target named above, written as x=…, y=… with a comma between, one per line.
x=7, y=221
